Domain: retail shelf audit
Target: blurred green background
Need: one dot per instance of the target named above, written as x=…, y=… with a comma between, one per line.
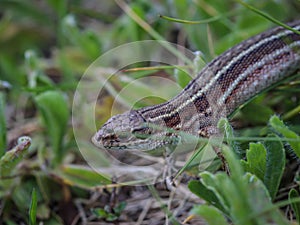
x=45, y=47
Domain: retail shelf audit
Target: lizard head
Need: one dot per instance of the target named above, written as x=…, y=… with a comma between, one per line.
x=125, y=131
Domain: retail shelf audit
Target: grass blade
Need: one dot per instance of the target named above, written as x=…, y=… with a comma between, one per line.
x=2, y=125
x=33, y=208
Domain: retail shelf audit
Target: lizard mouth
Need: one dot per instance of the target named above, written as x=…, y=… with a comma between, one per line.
x=100, y=142
x=96, y=140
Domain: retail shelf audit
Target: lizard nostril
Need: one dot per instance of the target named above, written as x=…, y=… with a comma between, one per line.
x=96, y=139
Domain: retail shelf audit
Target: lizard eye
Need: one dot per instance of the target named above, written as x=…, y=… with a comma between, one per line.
x=124, y=135
x=141, y=133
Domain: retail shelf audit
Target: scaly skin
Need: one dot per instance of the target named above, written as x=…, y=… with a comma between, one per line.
x=225, y=84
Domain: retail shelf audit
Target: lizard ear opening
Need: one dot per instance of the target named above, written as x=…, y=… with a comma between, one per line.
x=139, y=126
x=141, y=133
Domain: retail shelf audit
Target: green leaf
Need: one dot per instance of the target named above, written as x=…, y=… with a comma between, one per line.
x=9, y=161
x=99, y=213
x=59, y=6
x=236, y=169
x=274, y=166
x=213, y=182
x=8, y=165
x=2, y=125
x=33, y=208
x=266, y=163
x=87, y=41
x=22, y=195
x=262, y=211
x=111, y=217
x=82, y=176
x=210, y=214
x=10, y=222
x=295, y=205
x=203, y=192
x=256, y=160
x=54, y=111
x=198, y=62
x=267, y=16
x=225, y=127
x=26, y=9
x=119, y=208
x=279, y=127
x=182, y=78
x=244, y=196
x=106, y=214
x=257, y=191
x=257, y=112
x=90, y=43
